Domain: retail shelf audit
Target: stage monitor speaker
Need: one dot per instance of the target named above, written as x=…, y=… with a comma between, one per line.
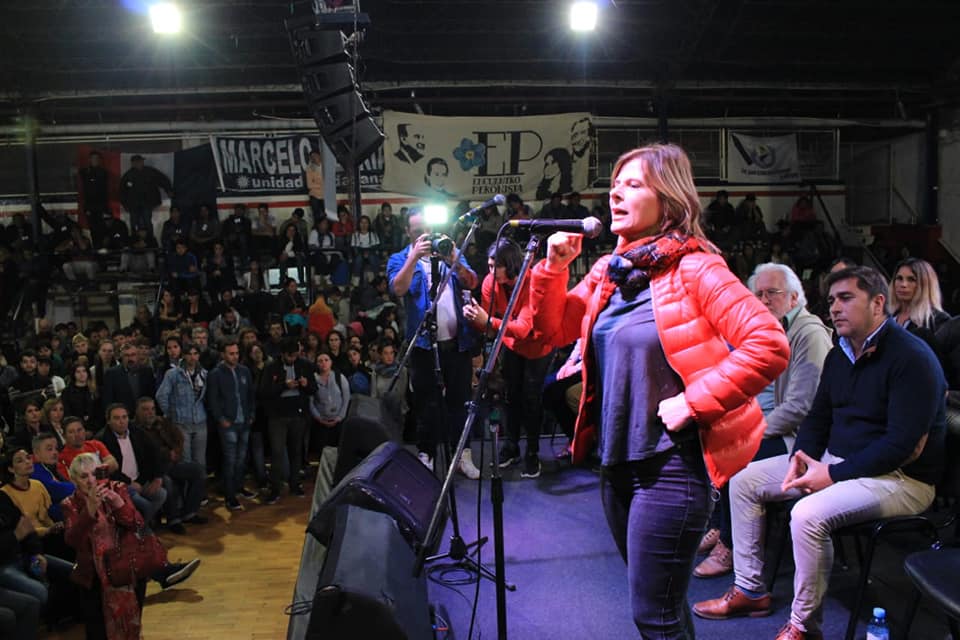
x=359, y=437
x=367, y=588
x=390, y=480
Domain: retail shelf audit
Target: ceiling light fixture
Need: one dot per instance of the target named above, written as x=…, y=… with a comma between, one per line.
x=165, y=18
x=583, y=16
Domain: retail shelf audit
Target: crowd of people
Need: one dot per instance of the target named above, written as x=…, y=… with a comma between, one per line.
x=267, y=336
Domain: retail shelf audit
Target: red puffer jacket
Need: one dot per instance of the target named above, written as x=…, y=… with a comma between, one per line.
x=701, y=310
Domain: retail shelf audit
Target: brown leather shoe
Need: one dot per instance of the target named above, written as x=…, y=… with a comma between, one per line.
x=790, y=632
x=732, y=604
x=709, y=541
x=718, y=563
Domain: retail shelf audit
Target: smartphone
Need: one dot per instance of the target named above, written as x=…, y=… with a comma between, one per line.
x=101, y=472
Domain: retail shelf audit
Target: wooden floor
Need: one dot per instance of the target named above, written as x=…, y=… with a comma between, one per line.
x=249, y=566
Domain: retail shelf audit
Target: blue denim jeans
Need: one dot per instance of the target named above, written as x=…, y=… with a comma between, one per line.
x=19, y=615
x=195, y=443
x=13, y=576
x=657, y=510
x=148, y=506
x=233, y=445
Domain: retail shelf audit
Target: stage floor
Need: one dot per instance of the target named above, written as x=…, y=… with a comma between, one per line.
x=571, y=581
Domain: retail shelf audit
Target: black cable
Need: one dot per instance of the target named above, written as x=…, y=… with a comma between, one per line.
x=298, y=608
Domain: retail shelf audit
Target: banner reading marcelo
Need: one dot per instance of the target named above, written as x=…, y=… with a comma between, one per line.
x=263, y=164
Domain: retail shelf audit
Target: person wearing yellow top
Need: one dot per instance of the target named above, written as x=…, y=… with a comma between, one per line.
x=29, y=495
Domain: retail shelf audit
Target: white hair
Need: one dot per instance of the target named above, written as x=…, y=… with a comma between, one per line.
x=81, y=462
x=793, y=283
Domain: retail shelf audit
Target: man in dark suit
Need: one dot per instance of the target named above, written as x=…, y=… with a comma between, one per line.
x=136, y=456
x=128, y=382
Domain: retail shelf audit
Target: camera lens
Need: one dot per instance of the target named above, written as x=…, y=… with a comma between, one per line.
x=441, y=245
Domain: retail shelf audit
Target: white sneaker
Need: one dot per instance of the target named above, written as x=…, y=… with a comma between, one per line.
x=467, y=467
x=426, y=460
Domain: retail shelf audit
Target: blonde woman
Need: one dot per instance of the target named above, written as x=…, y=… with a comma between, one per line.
x=53, y=414
x=914, y=300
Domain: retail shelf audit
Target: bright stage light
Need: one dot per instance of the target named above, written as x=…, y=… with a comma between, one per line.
x=583, y=16
x=165, y=17
x=436, y=215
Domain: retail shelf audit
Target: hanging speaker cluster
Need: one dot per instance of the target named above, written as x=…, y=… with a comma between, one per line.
x=330, y=87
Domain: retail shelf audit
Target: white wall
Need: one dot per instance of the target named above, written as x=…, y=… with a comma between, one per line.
x=907, y=174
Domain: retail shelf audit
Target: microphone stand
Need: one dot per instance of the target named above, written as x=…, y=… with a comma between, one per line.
x=479, y=407
x=459, y=550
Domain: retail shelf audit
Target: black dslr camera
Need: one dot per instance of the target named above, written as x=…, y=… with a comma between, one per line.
x=440, y=244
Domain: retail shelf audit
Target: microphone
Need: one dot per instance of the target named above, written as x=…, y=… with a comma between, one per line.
x=589, y=227
x=495, y=201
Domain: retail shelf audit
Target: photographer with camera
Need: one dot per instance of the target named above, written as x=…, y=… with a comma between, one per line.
x=414, y=273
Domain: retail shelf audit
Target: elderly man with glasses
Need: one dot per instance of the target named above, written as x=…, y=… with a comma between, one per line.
x=785, y=402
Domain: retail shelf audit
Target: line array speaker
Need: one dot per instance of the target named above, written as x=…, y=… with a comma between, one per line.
x=331, y=90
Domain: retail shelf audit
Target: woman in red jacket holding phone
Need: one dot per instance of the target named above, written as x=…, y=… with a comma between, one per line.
x=525, y=358
x=675, y=349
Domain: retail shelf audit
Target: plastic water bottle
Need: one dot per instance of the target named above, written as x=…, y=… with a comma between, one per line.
x=878, y=629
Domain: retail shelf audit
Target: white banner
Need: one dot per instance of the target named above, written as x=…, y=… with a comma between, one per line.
x=476, y=158
x=770, y=159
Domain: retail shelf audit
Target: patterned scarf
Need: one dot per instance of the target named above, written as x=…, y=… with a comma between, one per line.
x=632, y=269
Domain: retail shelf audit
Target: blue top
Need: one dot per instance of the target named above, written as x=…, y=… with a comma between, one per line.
x=417, y=299
x=873, y=412
x=634, y=378
x=59, y=490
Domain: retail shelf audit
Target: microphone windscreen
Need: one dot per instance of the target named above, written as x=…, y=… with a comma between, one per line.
x=592, y=228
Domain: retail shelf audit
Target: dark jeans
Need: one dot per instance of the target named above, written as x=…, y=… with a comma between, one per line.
x=555, y=400
x=186, y=484
x=317, y=209
x=523, y=381
x=657, y=510
x=769, y=448
x=440, y=419
x=257, y=439
x=233, y=444
x=286, y=450
x=141, y=218
x=19, y=615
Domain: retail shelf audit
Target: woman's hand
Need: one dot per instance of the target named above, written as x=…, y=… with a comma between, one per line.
x=562, y=249
x=675, y=412
x=475, y=313
x=93, y=502
x=112, y=497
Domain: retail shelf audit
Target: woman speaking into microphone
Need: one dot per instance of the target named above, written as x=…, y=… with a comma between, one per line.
x=674, y=350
